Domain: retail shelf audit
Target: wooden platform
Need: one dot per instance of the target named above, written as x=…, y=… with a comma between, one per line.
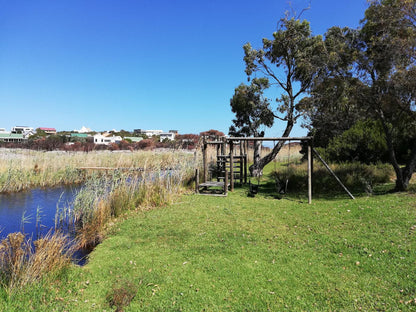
x=212, y=184
x=212, y=188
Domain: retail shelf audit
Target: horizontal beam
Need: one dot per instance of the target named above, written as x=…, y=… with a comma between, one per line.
x=307, y=138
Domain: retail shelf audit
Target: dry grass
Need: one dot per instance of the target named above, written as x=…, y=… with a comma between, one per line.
x=24, y=169
x=290, y=153
x=20, y=264
x=109, y=196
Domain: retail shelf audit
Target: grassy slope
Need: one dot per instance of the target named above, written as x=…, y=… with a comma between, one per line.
x=240, y=253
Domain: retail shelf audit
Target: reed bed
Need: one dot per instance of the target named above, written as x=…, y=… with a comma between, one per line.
x=23, y=169
x=105, y=197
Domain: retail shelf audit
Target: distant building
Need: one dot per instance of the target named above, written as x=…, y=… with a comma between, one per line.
x=78, y=137
x=3, y=130
x=11, y=137
x=21, y=129
x=51, y=131
x=25, y=130
x=83, y=130
x=148, y=133
x=133, y=139
x=167, y=135
x=101, y=139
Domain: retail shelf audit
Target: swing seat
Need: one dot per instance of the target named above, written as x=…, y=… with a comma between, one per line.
x=281, y=187
x=254, y=189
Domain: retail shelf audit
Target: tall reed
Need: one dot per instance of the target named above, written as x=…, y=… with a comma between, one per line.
x=21, y=264
x=104, y=197
x=23, y=169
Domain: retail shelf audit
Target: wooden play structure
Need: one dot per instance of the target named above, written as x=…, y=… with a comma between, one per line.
x=231, y=165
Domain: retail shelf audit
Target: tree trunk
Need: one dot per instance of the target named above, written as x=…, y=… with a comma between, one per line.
x=256, y=159
x=407, y=172
x=256, y=169
x=403, y=175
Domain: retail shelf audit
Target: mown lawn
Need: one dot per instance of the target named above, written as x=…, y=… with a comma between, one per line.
x=247, y=254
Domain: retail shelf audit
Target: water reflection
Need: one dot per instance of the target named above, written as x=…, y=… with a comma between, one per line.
x=33, y=211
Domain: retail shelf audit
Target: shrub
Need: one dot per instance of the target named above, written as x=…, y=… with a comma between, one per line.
x=363, y=142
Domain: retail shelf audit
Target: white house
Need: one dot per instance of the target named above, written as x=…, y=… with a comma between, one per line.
x=101, y=139
x=26, y=131
x=149, y=133
x=167, y=135
x=83, y=130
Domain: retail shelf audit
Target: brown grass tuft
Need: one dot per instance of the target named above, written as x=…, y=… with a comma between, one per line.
x=20, y=264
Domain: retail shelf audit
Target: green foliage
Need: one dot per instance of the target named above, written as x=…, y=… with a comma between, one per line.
x=363, y=142
x=251, y=108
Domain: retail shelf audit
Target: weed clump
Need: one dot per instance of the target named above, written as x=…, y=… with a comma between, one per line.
x=121, y=294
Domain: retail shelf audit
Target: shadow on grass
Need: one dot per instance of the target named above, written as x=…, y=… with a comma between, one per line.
x=269, y=189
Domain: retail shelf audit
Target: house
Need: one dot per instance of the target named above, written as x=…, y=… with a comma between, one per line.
x=3, y=130
x=167, y=135
x=83, y=130
x=133, y=139
x=148, y=133
x=106, y=140
x=78, y=137
x=11, y=137
x=26, y=131
x=51, y=131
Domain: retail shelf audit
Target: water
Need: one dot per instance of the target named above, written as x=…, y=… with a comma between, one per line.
x=33, y=212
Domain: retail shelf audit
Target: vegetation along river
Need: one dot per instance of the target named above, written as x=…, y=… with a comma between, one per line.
x=33, y=212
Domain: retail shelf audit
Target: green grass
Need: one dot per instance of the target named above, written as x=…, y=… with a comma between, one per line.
x=246, y=254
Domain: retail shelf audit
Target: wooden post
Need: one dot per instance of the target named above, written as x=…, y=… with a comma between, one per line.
x=226, y=182
x=245, y=168
x=197, y=180
x=309, y=173
x=231, y=166
x=204, y=159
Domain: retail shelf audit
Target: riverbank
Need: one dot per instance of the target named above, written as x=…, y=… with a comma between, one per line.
x=242, y=253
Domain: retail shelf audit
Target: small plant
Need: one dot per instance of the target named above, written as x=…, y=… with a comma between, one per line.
x=121, y=294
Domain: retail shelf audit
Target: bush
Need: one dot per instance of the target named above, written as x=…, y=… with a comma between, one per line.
x=363, y=142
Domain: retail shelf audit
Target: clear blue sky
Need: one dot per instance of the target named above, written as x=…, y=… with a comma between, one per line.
x=127, y=64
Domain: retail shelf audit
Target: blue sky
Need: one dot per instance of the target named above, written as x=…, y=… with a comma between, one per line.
x=149, y=64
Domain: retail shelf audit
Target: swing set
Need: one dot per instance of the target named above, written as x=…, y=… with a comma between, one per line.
x=232, y=167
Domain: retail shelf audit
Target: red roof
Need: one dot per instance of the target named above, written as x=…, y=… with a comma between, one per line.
x=48, y=129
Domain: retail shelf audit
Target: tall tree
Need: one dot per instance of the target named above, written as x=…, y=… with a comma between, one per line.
x=375, y=69
x=252, y=110
x=386, y=65
x=290, y=61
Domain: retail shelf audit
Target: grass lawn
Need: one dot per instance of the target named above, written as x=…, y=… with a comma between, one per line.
x=240, y=253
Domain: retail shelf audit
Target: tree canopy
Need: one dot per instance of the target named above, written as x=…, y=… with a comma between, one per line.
x=348, y=79
x=370, y=73
x=289, y=62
